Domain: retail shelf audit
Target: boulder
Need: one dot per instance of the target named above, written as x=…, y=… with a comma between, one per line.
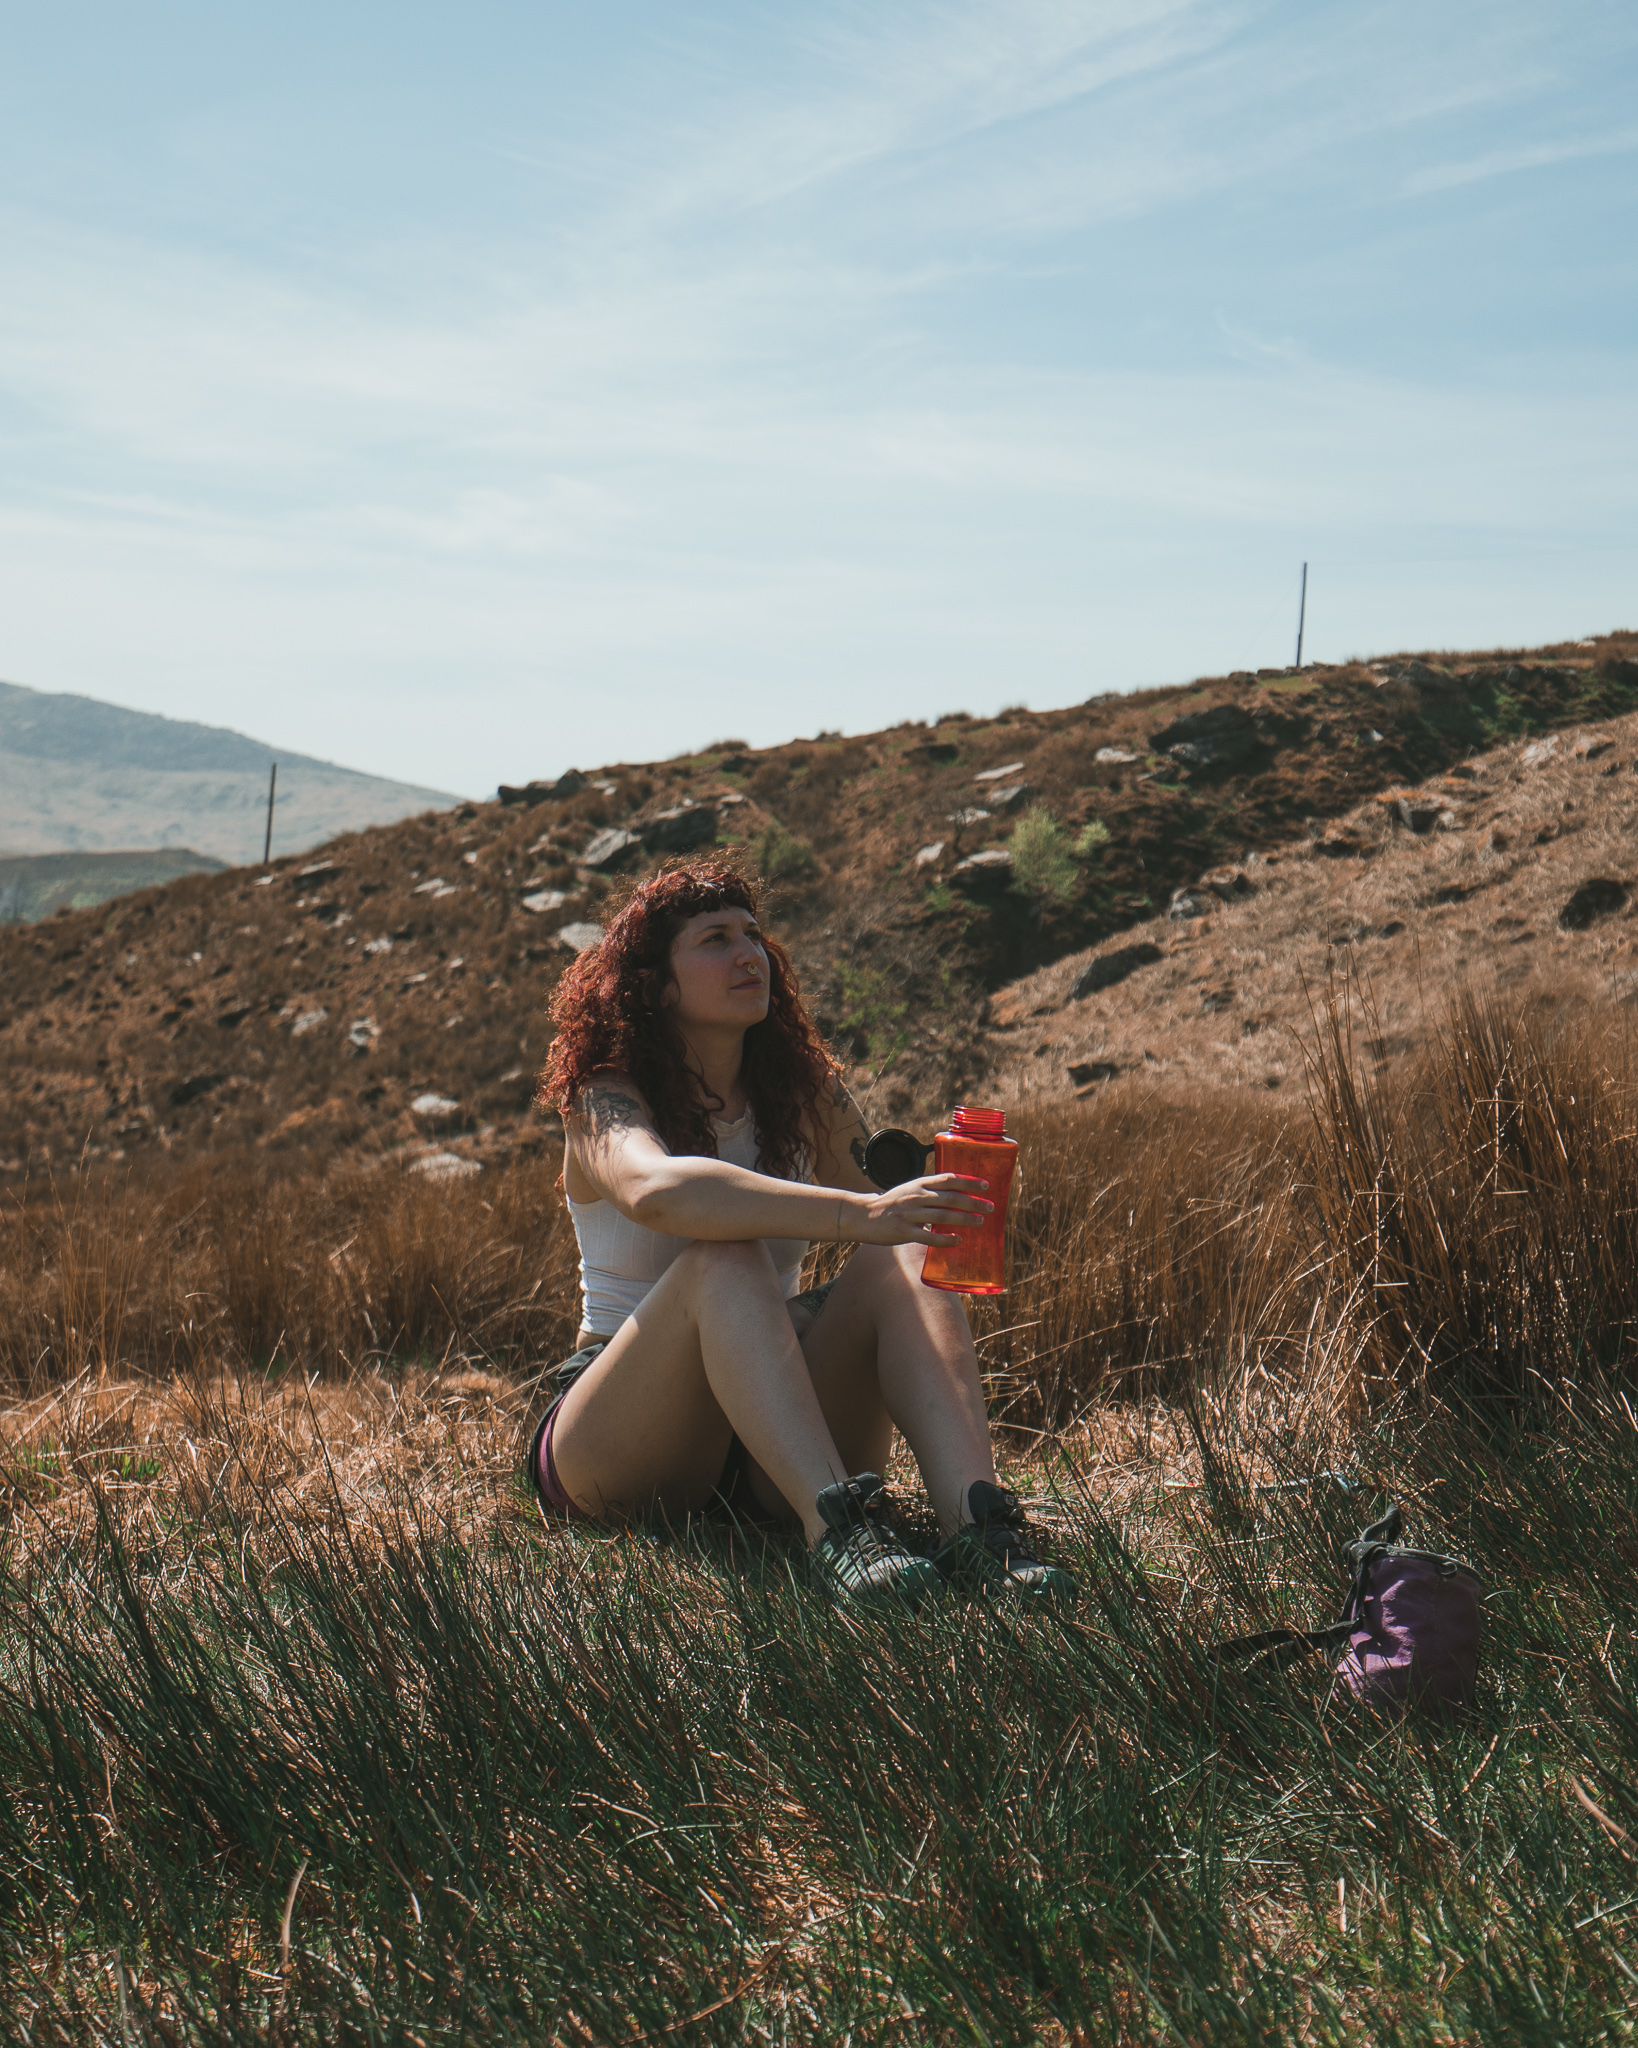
x=1228, y=885
x=445, y=1166
x=999, y=774
x=193, y=1087
x=545, y=899
x=1539, y=751
x=1114, y=757
x=680, y=830
x=969, y=816
x=991, y=869
x=1111, y=968
x=569, y=783
x=1420, y=817
x=1225, y=736
x=579, y=938
x=929, y=856
x=611, y=849
x=1190, y=903
x=1599, y=897
x=1008, y=800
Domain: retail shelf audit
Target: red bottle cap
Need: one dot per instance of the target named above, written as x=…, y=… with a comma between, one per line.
x=979, y=1123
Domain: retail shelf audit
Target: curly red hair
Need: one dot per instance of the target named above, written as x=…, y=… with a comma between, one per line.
x=608, y=1013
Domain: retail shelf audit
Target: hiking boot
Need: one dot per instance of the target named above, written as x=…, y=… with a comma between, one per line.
x=992, y=1552
x=858, y=1557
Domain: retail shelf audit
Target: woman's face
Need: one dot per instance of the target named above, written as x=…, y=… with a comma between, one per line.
x=719, y=971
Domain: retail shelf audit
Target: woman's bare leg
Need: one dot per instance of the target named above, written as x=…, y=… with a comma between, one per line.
x=887, y=1351
x=649, y=1418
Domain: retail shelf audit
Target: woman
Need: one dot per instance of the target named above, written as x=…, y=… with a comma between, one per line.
x=708, y=1140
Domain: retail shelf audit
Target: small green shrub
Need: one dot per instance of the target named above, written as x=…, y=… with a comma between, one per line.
x=1090, y=838
x=779, y=855
x=873, y=1013
x=1041, y=861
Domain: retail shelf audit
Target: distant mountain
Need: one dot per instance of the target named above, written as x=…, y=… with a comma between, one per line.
x=80, y=776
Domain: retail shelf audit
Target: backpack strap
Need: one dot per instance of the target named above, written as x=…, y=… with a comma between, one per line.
x=1281, y=1646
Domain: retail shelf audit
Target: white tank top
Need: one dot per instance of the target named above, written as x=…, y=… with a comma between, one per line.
x=621, y=1260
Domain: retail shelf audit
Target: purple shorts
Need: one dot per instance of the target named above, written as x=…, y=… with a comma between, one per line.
x=543, y=1468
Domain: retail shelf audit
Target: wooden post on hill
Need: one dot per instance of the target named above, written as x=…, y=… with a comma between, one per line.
x=1302, y=612
x=272, y=784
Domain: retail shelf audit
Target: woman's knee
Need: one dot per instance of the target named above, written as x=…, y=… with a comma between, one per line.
x=727, y=1261
x=895, y=1265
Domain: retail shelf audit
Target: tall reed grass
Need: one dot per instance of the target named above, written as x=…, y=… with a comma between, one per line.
x=1472, y=1225
x=264, y=1782
x=311, y=1732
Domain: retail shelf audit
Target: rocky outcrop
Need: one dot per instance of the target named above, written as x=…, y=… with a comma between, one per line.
x=1109, y=969
x=1005, y=801
x=680, y=830
x=1226, y=739
x=570, y=783
x=1419, y=818
x=989, y=870
x=1090, y=1073
x=610, y=850
x=1598, y=897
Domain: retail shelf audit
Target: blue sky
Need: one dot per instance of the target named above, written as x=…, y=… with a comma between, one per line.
x=460, y=393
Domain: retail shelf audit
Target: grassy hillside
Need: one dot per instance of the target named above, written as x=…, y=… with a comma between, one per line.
x=32, y=886
x=914, y=872
x=78, y=775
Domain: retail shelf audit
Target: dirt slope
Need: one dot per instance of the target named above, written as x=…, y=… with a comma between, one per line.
x=1514, y=874
x=388, y=996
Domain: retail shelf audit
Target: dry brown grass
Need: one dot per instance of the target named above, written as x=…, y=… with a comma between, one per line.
x=283, y=1620
x=1474, y=1231
x=224, y=1267
x=1472, y=903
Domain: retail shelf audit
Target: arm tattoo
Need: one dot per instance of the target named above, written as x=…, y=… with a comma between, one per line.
x=602, y=1110
x=848, y=1114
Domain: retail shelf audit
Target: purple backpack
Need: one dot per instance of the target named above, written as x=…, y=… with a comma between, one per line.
x=1409, y=1634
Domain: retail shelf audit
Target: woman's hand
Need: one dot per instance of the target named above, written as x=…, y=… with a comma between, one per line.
x=933, y=1210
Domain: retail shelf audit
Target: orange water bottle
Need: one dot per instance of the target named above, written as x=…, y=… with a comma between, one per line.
x=976, y=1144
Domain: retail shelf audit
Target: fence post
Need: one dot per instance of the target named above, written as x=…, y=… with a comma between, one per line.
x=272, y=783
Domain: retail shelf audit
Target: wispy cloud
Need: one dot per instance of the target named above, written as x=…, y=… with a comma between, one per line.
x=1501, y=163
x=935, y=358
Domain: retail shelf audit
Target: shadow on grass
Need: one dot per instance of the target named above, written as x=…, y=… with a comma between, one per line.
x=287, y=1784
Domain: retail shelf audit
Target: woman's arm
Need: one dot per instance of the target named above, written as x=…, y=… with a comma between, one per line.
x=621, y=1154
x=839, y=1151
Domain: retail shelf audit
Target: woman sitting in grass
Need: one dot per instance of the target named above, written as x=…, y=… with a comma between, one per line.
x=709, y=1139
